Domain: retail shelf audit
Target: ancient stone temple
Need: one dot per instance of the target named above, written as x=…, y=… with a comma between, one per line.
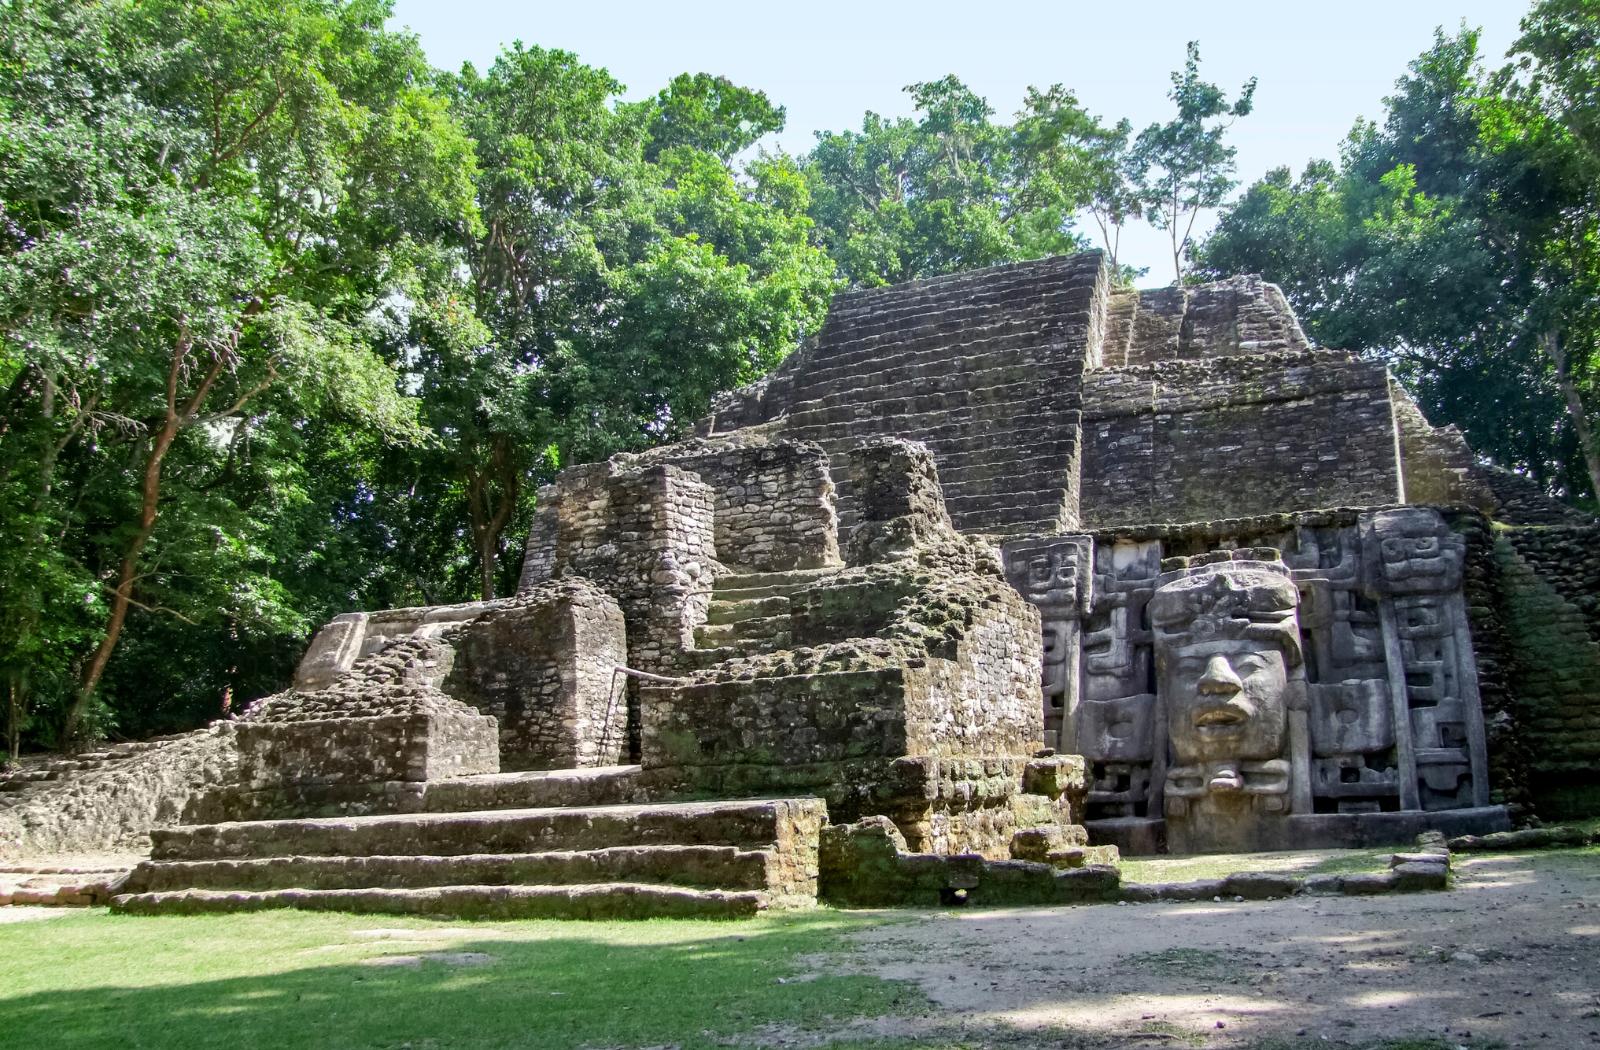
x=1000, y=574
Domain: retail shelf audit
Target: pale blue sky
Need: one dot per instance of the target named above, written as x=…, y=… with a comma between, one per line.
x=1320, y=65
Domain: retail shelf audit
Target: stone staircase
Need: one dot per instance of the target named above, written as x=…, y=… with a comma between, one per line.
x=729, y=859
x=749, y=612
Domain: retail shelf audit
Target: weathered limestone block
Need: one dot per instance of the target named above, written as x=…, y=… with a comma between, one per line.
x=351, y=636
x=900, y=504
x=1440, y=467
x=933, y=721
x=1188, y=441
x=544, y=666
x=644, y=535
x=866, y=864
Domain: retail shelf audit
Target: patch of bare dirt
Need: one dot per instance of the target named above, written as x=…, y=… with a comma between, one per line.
x=1512, y=953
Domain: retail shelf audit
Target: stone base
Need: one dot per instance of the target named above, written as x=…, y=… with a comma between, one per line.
x=1133, y=836
x=1143, y=837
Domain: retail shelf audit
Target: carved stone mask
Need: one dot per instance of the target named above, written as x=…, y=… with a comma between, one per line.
x=1226, y=701
x=1228, y=657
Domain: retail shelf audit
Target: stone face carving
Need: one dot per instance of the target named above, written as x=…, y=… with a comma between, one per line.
x=1056, y=574
x=1231, y=684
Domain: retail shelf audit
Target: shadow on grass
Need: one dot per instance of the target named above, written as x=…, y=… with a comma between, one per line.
x=263, y=981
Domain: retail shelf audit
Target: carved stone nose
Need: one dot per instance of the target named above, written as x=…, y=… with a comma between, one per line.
x=1219, y=679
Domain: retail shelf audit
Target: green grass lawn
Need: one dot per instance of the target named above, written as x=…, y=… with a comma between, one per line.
x=1295, y=862
x=291, y=979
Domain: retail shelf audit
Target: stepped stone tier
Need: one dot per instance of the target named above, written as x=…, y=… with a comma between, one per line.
x=999, y=575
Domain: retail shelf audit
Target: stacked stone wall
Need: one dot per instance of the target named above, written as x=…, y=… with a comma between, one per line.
x=1556, y=669
x=1242, y=315
x=1523, y=501
x=113, y=809
x=1192, y=441
x=645, y=536
x=544, y=667
x=1567, y=557
x=1483, y=587
x=774, y=501
x=1440, y=468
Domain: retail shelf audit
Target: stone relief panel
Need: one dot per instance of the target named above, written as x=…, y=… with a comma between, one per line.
x=1118, y=686
x=1380, y=671
x=1056, y=574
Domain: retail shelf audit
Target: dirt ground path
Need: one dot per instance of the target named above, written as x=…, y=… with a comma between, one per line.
x=1513, y=953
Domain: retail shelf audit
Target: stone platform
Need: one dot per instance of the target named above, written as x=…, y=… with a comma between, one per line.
x=703, y=859
x=1143, y=837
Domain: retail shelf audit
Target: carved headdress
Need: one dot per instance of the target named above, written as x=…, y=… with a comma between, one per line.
x=1228, y=595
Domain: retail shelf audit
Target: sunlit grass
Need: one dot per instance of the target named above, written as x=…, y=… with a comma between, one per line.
x=1218, y=866
x=290, y=979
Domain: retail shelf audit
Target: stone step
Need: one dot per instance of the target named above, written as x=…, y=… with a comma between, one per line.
x=706, y=867
x=764, y=633
x=746, y=586
x=594, y=901
x=542, y=789
x=788, y=823
x=722, y=611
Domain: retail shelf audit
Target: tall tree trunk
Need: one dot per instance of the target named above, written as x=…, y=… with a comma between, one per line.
x=489, y=519
x=1580, y=418
x=150, y=499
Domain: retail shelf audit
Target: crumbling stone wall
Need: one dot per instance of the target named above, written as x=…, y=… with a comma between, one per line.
x=1241, y=315
x=1228, y=437
x=1523, y=501
x=1483, y=587
x=545, y=667
x=774, y=499
x=1567, y=557
x=646, y=536
x=353, y=745
x=921, y=705
x=1440, y=468
x=114, y=808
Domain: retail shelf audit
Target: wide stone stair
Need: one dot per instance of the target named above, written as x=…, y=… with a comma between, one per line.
x=749, y=612
x=726, y=859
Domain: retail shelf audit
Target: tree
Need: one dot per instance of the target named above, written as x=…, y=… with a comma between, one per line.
x=1450, y=240
x=904, y=199
x=202, y=206
x=708, y=113
x=1182, y=167
x=1552, y=114
x=1068, y=162
x=623, y=277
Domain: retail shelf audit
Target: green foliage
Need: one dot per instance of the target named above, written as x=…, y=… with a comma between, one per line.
x=1455, y=240
x=708, y=113
x=290, y=324
x=1183, y=167
x=904, y=199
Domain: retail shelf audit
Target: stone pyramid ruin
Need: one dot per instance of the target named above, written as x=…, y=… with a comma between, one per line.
x=1000, y=575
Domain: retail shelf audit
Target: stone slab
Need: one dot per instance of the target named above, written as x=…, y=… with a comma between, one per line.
x=790, y=824
x=610, y=901
x=705, y=867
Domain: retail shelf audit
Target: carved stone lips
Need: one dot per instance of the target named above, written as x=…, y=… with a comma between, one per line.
x=1220, y=718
